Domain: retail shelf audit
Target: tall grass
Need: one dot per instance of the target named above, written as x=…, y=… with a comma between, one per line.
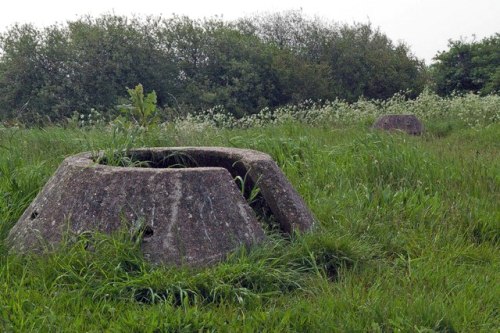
x=408, y=239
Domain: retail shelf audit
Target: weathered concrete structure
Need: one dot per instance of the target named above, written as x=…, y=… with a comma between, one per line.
x=184, y=200
x=403, y=122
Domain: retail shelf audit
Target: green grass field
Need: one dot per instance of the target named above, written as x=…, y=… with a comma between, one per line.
x=408, y=238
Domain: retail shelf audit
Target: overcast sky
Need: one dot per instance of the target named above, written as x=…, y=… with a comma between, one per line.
x=425, y=25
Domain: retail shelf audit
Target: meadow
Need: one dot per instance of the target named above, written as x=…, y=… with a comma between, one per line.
x=408, y=236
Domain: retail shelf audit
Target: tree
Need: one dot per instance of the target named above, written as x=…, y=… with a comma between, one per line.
x=468, y=67
x=336, y=61
x=21, y=77
x=50, y=73
x=364, y=62
x=244, y=66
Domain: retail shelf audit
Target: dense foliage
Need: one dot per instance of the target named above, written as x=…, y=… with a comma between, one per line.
x=468, y=67
x=192, y=65
x=408, y=235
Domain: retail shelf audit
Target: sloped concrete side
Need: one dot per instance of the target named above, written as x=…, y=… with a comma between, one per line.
x=193, y=216
x=285, y=203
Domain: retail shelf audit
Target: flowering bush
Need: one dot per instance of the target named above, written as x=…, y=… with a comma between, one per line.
x=92, y=119
x=472, y=110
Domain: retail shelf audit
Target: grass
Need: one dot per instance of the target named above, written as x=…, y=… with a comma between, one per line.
x=408, y=240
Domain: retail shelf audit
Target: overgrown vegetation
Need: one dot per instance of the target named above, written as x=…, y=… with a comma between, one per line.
x=468, y=67
x=408, y=238
x=244, y=66
x=468, y=110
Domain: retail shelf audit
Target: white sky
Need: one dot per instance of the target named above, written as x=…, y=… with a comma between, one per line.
x=425, y=25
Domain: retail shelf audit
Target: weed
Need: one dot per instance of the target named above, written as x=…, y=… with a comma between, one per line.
x=142, y=110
